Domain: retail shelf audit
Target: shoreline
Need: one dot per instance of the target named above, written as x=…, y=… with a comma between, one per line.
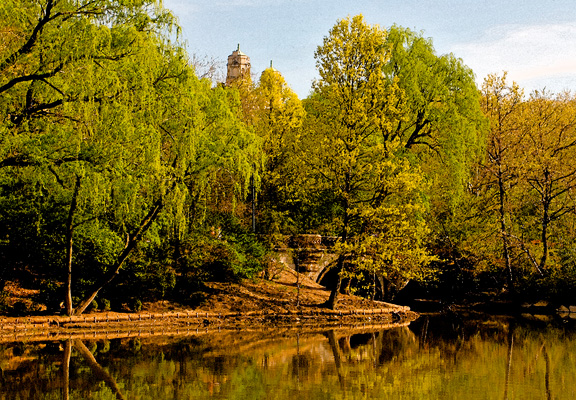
x=145, y=324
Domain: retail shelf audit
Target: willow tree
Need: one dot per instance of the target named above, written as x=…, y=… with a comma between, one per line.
x=442, y=129
x=106, y=128
x=63, y=73
x=441, y=122
x=374, y=190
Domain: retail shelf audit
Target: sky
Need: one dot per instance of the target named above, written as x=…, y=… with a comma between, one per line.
x=534, y=41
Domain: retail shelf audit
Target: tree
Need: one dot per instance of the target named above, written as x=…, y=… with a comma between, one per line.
x=502, y=104
x=440, y=120
x=110, y=134
x=441, y=129
x=279, y=119
x=347, y=153
x=550, y=129
x=65, y=92
x=526, y=183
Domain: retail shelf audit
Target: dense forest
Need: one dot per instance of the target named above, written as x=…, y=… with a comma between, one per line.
x=126, y=176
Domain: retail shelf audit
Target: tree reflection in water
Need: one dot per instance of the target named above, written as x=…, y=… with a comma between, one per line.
x=99, y=372
x=66, y=369
x=448, y=357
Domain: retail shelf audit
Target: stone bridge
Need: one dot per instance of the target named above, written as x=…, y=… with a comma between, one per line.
x=308, y=254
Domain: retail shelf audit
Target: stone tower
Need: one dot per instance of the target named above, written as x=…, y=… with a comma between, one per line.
x=238, y=66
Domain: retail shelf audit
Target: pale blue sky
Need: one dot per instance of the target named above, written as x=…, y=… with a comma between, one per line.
x=534, y=40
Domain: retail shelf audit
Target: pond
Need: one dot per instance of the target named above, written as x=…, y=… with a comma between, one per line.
x=436, y=357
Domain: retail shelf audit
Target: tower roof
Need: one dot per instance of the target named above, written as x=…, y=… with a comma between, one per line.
x=238, y=52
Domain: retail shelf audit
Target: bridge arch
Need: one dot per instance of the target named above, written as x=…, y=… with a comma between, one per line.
x=309, y=254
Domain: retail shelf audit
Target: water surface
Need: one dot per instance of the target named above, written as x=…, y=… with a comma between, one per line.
x=448, y=357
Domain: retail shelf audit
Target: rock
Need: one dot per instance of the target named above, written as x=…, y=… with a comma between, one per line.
x=543, y=318
x=562, y=310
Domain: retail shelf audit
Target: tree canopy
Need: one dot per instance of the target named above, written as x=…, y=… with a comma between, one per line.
x=107, y=133
x=374, y=190
x=441, y=122
x=118, y=162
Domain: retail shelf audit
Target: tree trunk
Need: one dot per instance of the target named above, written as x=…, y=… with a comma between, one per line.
x=130, y=245
x=333, y=341
x=69, y=244
x=503, y=230
x=333, y=299
x=66, y=369
x=97, y=369
x=544, y=237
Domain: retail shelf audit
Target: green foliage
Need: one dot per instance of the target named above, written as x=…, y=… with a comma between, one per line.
x=149, y=274
x=376, y=191
x=278, y=120
x=115, y=156
x=441, y=121
x=229, y=252
x=51, y=294
x=137, y=305
x=108, y=134
x=518, y=227
x=105, y=304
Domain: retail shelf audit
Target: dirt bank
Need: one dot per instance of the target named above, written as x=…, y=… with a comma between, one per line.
x=284, y=302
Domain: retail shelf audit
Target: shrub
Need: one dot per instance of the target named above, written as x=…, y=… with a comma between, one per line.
x=137, y=305
x=19, y=309
x=3, y=301
x=105, y=304
x=51, y=294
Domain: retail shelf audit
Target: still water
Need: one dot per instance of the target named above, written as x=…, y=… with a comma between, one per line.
x=436, y=357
